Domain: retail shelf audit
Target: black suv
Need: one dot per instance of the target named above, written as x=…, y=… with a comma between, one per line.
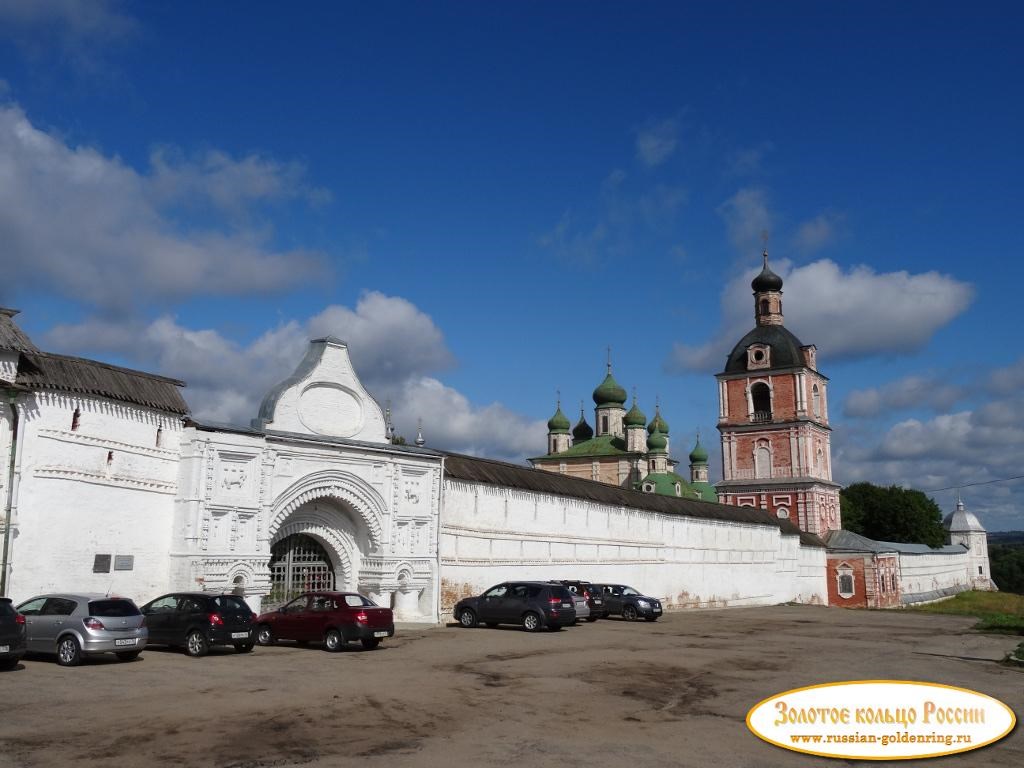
x=590, y=593
x=12, y=635
x=532, y=604
x=628, y=602
x=198, y=620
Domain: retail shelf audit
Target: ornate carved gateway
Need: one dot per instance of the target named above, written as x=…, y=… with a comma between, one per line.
x=312, y=496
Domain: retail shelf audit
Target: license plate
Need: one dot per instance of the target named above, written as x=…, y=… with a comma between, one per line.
x=131, y=641
x=5, y=648
x=239, y=635
x=657, y=610
x=380, y=634
x=597, y=601
x=566, y=605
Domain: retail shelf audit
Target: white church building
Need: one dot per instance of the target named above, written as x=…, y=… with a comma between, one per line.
x=109, y=485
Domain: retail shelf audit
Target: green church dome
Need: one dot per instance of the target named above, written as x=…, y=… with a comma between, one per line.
x=635, y=417
x=609, y=392
x=657, y=423
x=558, y=423
x=699, y=454
x=656, y=442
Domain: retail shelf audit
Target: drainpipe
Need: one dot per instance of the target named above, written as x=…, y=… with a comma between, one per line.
x=440, y=515
x=12, y=397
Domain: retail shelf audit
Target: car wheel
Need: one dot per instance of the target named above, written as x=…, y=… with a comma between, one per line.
x=8, y=664
x=265, y=635
x=369, y=643
x=195, y=644
x=128, y=655
x=629, y=612
x=69, y=652
x=244, y=647
x=592, y=619
x=467, y=618
x=532, y=622
x=333, y=640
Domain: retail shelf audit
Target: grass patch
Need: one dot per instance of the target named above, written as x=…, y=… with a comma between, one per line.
x=996, y=611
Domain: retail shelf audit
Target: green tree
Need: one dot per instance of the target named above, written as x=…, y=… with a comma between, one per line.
x=1007, y=563
x=892, y=514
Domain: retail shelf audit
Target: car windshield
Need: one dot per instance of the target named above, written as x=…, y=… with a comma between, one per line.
x=629, y=591
x=111, y=608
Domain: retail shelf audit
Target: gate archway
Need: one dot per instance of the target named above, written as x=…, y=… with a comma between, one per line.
x=298, y=563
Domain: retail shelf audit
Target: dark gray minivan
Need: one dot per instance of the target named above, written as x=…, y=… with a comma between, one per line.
x=532, y=604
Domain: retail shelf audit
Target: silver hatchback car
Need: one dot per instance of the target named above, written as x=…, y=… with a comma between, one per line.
x=76, y=625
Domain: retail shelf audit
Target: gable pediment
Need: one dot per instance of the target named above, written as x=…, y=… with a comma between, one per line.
x=323, y=397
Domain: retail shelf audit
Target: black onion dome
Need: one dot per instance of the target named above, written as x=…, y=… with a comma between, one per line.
x=766, y=280
x=582, y=431
x=785, y=348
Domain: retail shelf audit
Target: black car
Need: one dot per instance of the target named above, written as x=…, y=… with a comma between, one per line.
x=532, y=604
x=197, y=620
x=12, y=635
x=592, y=596
x=629, y=603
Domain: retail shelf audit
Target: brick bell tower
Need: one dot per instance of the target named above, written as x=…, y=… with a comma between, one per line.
x=773, y=416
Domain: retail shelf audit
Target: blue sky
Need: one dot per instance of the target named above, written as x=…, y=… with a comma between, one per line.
x=482, y=197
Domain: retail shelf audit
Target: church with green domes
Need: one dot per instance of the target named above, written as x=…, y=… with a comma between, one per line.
x=622, y=448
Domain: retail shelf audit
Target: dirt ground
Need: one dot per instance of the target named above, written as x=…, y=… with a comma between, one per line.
x=671, y=693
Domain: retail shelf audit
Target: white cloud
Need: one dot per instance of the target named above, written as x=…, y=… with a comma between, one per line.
x=92, y=228
x=847, y=315
x=967, y=449
x=746, y=218
x=1007, y=380
x=68, y=20
x=909, y=392
x=656, y=141
x=749, y=161
x=450, y=421
x=395, y=347
x=816, y=233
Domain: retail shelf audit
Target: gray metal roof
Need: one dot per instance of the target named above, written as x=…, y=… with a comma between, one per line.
x=11, y=336
x=42, y=370
x=499, y=473
x=854, y=542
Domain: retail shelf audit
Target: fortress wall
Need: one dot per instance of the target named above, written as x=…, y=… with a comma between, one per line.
x=491, y=534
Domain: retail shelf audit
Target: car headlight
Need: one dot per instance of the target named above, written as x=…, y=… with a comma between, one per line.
x=643, y=603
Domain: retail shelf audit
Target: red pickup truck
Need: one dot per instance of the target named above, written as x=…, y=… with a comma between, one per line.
x=335, y=618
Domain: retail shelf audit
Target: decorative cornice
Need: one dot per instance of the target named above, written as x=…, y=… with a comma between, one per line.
x=117, y=481
x=76, y=438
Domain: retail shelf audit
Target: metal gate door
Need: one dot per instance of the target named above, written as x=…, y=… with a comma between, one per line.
x=298, y=564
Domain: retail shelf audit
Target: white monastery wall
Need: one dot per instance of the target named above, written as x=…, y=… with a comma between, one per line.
x=490, y=534
x=104, y=488
x=932, y=576
x=8, y=365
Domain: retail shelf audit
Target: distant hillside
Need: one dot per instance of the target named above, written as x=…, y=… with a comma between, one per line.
x=1008, y=538
x=1006, y=557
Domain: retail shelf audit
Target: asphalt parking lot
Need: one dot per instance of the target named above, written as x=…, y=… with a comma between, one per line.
x=670, y=693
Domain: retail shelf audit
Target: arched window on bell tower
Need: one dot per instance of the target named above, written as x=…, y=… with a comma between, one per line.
x=816, y=401
x=761, y=396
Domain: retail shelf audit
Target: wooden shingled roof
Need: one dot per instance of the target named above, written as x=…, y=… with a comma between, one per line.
x=489, y=472
x=11, y=336
x=41, y=370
